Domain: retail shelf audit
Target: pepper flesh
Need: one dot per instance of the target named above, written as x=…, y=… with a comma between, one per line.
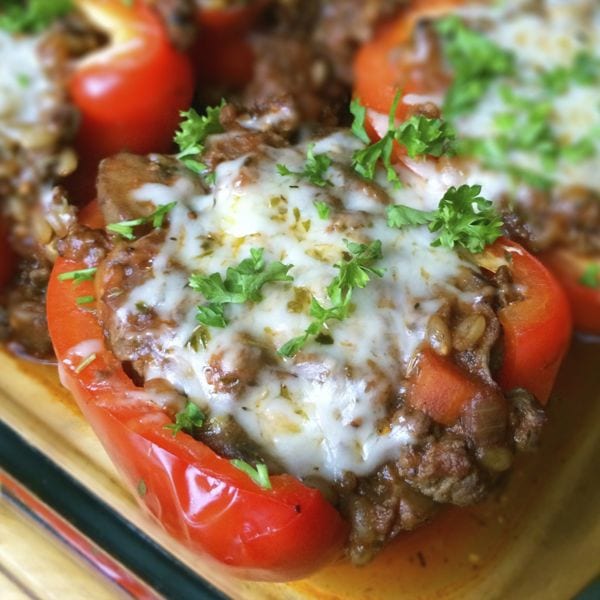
x=198, y=497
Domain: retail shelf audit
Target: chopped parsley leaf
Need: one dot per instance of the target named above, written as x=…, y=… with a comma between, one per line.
x=187, y=420
x=84, y=300
x=420, y=135
x=323, y=209
x=463, y=218
x=260, y=474
x=191, y=135
x=241, y=284
x=32, y=16
x=365, y=161
x=525, y=126
x=476, y=62
x=315, y=168
x=79, y=275
x=359, y=112
x=591, y=276
x=355, y=271
x=23, y=80
x=585, y=70
x=157, y=218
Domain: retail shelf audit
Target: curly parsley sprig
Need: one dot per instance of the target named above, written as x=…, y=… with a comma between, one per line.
x=463, y=218
x=126, y=229
x=32, y=16
x=315, y=168
x=242, y=283
x=192, y=133
x=420, y=135
x=476, y=62
x=591, y=276
x=355, y=271
x=188, y=419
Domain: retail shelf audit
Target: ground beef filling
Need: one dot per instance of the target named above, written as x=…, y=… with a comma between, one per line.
x=443, y=465
x=38, y=214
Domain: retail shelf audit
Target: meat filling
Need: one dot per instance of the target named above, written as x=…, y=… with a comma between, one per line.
x=456, y=464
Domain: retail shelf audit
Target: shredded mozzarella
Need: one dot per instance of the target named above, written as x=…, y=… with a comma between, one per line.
x=324, y=411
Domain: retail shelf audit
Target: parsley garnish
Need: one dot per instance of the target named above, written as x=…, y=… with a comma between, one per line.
x=157, y=218
x=359, y=112
x=323, y=209
x=241, y=284
x=463, y=218
x=591, y=276
x=192, y=133
x=365, y=161
x=420, y=135
x=525, y=126
x=354, y=272
x=79, y=275
x=84, y=300
x=314, y=169
x=585, y=70
x=260, y=474
x=188, y=419
x=476, y=61
x=32, y=16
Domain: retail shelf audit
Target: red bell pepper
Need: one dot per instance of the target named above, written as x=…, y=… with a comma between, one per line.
x=129, y=92
x=200, y=498
x=381, y=69
x=584, y=299
x=536, y=332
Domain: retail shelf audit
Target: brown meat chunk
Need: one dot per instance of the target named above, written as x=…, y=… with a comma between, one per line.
x=233, y=368
x=83, y=245
x=379, y=508
x=344, y=25
x=125, y=267
x=26, y=311
x=291, y=71
x=444, y=470
x=121, y=175
x=527, y=419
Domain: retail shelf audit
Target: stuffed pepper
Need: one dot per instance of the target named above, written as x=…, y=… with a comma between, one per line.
x=294, y=349
x=73, y=86
x=518, y=84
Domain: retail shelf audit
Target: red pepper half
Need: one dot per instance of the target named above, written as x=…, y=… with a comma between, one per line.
x=129, y=92
x=536, y=333
x=584, y=299
x=199, y=497
x=537, y=328
x=382, y=69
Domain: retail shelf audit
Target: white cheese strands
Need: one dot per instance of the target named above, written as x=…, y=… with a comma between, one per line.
x=543, y=37
x=321, y=412
x=26, y=92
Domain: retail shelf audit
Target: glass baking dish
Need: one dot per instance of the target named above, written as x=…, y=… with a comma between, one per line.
x=538, y=536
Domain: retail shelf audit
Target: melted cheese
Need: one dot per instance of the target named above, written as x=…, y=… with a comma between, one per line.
x=26, y=92
x=324, y=411
x=544, y=38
